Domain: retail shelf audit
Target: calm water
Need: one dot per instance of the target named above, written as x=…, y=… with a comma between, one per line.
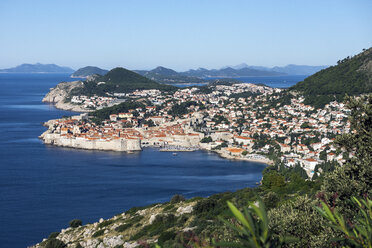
x=43, y=187
x=275, y=82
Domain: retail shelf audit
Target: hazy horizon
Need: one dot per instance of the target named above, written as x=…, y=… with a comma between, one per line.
x=182, y=35
x=231, y=66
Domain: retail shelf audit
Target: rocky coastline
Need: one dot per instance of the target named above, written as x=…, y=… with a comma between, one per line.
x=59, y=94
x=56, y=140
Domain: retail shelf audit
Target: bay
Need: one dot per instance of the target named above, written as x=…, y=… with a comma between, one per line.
x=43, y=187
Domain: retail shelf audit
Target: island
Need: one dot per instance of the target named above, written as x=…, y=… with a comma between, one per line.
x=38, y=68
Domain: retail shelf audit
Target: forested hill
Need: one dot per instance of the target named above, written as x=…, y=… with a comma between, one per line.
x=88, y=71
x=119, y=80
x=168, y=76
x=352, y=76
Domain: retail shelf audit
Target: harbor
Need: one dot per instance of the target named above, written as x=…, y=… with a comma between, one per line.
x=178, y=149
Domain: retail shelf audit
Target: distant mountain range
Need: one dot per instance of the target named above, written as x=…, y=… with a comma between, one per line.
x=288, y=69
x=229, y=72
x=38, y=68
x=299, y=69
x=165, y=75
x=88, y=71
x=168, y=76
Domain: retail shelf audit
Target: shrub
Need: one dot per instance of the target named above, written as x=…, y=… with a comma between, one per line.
x=358, y=234
x=98, y=233
x=55, y=243
x=75, y=223
x=53, y=235
x=123, y=227
x=133, y=210
x=135, y=219
x=354, y=177
x=170, y=207
x=105, y=223
x=271, y=200
x=160, y=225
x=206, y=140
x=177, y=198
x=299, y=219
x=273, y=181
x=205, y=205
x=166, y=236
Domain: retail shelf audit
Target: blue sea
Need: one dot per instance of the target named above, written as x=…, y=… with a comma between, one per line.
x=43, y=187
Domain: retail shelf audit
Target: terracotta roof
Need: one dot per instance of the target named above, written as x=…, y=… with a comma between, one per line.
x=235, y=150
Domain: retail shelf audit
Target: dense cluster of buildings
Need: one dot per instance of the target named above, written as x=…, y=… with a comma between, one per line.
x=92, y=102
x=254, y=127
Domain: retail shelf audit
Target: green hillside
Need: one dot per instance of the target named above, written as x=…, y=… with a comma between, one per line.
x=168, y=76
x=352, y=76
x=119, y=80
x=88, y=71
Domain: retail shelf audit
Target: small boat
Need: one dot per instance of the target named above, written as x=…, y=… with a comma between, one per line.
x=174, y=154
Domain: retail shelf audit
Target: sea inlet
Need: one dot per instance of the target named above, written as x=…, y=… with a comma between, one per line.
x=43, y=187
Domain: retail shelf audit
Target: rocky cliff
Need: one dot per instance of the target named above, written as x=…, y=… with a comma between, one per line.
x=59, y=96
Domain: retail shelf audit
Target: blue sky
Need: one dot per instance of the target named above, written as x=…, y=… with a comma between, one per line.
x=180, y=35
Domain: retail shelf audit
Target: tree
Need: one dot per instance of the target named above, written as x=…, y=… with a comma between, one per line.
x=224, y=144
x=323, y=155
x=206, y=139
x=149, y=122
x=354, y=178
x=272, y=181
x=177, y=198
x=298, y=218
x=75, y=223
x=54, y=243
